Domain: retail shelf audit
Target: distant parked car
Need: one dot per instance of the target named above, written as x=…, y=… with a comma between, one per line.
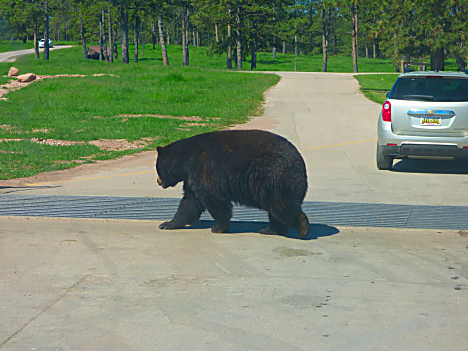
x=425, y=115
x=42, y=43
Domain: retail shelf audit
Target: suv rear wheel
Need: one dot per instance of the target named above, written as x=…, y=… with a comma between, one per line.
x=384, y=162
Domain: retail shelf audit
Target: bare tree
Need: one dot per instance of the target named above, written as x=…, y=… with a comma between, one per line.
x=46, y=30
x=124, y=33
x=354, y=17
x=161, y=40
x=239, y=38
x=136, y=37
x=229, y=48
x=111, y=57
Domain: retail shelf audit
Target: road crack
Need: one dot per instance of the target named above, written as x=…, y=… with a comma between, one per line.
x=359, y=173
x=44, y=310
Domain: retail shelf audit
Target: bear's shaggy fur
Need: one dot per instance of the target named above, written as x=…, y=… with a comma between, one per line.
x=253, y=168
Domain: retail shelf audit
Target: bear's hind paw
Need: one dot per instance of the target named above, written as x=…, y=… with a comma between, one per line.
x=220, y=229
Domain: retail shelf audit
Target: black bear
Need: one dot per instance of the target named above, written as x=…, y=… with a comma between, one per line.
x=253, y=168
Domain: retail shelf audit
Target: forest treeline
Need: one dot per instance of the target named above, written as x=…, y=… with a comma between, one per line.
x=399, y=29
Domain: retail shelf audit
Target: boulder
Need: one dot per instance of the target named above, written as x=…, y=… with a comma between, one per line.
x=28, y=77
x=13, y=72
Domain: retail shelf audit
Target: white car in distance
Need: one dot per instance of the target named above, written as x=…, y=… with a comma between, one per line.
x=42, y=43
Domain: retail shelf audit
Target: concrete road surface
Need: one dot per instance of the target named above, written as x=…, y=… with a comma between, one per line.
x=10, y=56
x=126, y=285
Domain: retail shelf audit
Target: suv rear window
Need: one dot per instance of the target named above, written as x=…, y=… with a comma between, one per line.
x=442, y=89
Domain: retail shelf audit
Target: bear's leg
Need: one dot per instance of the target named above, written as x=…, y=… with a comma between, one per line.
x=189, y=212
x=294, y=218
x=221, y=213
x=275, y=227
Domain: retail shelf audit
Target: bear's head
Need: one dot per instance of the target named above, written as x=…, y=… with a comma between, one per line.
x=169, y=172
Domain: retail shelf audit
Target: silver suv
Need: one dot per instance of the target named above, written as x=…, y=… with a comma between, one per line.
x=425, y=115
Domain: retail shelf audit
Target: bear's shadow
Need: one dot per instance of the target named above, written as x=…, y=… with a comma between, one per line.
x=237, y=227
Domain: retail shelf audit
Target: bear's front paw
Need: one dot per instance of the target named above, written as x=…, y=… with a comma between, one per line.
x=168, y=225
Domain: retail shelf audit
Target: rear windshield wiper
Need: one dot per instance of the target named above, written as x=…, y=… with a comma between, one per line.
x=419, y=97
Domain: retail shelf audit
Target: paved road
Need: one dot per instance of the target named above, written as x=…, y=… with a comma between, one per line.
x=10, y=56
x=126, y=285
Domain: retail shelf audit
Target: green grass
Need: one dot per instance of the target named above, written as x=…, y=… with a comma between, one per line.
x=89, y=108
x=306, y=63
x=4, y=80
x=376, y=86
x=12, y=45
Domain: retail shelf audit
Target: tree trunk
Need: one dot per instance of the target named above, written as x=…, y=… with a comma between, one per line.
x=124, y=34
x=184, y=48
x=161, y=39
x=109, y=18
x=335, y=40
x=101, y=44
x=295, y=45
x=46, y=30
x=36, y=38
x=153, y=36
x=354, y=12
x=114, y=34
x=239, y=38
x=461, y=63
x=216, y=32
x=136, y=37
x=229, y=47
x=395, y=52
x=274, y=48
x=284, y=47
x=437, y=60
x=325, y=19
x=373, y=46
x=185, y=36
x=253, y=61
x=367, y=47
x=176, y=29
x=186, y=44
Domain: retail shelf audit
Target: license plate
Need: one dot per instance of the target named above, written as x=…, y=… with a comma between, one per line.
x=430, y=121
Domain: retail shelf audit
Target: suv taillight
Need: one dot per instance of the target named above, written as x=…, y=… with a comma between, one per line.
x=387, y=111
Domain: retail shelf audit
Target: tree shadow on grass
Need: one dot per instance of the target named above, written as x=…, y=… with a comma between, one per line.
x=150, y=59
x=271, y=62
x=372, y=89
x=237, y=227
